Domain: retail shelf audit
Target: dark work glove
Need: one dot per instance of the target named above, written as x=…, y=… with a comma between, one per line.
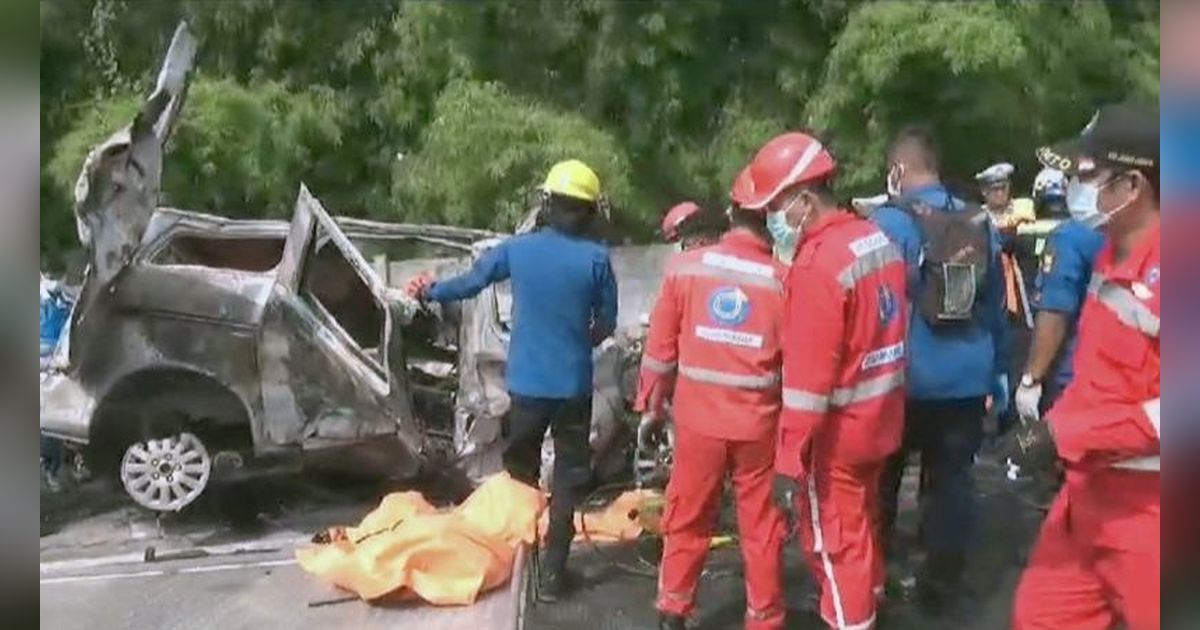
x=783, y=493
x=1031, y=446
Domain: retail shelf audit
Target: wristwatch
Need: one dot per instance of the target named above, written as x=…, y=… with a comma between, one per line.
x=1027, y=380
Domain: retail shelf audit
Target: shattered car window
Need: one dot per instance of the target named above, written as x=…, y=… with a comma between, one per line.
x=330, y=282
x=239, y=254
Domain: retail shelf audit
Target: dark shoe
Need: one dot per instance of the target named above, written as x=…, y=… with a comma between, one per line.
x=556, y=585
x=940, y=581
x=668, y=621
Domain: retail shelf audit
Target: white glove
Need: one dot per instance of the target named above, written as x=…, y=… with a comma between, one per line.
x=1029, y=399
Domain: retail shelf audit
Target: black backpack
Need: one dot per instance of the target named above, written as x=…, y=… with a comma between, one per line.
x=956, y=249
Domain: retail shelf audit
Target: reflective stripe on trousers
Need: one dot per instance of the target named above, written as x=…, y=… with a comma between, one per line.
x=1125, y=305
x=728, y=379
x=801, y=400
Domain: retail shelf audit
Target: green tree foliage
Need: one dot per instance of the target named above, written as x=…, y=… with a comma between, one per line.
x=993, y=79
x=485, y=152
x=666, y=99
x=239, y=151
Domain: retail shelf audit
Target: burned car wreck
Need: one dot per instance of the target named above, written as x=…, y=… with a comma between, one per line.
x=203, y=347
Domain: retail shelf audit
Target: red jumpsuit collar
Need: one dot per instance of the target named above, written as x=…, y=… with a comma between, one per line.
x=744, y=238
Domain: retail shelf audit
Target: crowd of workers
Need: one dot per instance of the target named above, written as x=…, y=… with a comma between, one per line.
x=804, y=349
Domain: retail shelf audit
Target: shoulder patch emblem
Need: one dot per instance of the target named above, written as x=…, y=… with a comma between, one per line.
x=888, y=305
x=1048, y=258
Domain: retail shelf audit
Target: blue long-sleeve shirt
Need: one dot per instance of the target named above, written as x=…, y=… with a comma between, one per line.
x=958, y=362
x=1061, y=286
x=564, y=299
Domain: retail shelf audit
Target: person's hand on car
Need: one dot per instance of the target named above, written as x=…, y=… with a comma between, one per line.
x=418, y=287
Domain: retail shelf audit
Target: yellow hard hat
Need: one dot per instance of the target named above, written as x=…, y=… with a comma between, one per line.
x=573, y=178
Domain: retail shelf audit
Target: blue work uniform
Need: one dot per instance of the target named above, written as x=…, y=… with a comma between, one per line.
x=954, y=363
x=564, y=298
x=564, y=302
x=950, y=373
x=1061, y=286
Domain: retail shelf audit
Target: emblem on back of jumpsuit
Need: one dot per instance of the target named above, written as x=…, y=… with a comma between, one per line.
x=887, y=305
x=729, y=306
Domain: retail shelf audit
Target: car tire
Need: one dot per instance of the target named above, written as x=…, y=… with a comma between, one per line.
x=166, y=473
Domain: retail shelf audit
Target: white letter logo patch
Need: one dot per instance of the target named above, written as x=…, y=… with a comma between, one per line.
x=730, y=337
x=883, y=356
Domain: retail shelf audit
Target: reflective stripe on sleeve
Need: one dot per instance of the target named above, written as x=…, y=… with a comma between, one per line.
x=659, y=367
x=800, y=400
x=741, y=381
x=1152, y=409
x=869, y=262
x=1125, y=305
x=1150, y=463
x=869, y=388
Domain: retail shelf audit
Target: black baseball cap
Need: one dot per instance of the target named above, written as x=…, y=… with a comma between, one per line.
x=1123, y=136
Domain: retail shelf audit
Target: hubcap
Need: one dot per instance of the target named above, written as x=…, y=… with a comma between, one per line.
x=166, y=474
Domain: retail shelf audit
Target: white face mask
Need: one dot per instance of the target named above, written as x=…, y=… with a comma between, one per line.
x=785, y=237
x=1082, y=203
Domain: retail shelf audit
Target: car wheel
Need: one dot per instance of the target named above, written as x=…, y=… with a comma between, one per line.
x=166, y=474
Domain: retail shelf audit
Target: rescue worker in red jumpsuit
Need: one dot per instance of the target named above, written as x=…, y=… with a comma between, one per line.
x=688, y=226
x=843, y=372
x=713, y=343
x=1096, y=563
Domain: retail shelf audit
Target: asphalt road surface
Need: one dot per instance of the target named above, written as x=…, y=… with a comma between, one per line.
x=94, y=574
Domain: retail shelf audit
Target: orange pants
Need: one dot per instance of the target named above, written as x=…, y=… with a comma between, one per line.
x=837, y=511
x=1071, y=584
x=693, y=502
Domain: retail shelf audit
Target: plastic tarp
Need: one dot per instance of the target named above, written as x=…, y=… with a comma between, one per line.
x=624, y=519
x=407, y=548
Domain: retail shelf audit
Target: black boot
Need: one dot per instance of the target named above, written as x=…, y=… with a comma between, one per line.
x=667, y=621
x=554, y=585
x=940, y=582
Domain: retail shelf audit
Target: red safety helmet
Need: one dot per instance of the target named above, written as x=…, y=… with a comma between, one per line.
x=676, y=217
x=789, y=159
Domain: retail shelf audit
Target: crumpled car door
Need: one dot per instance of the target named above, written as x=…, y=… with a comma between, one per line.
x=327, y=377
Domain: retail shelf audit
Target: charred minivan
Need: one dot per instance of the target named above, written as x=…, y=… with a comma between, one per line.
x=203, y=347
